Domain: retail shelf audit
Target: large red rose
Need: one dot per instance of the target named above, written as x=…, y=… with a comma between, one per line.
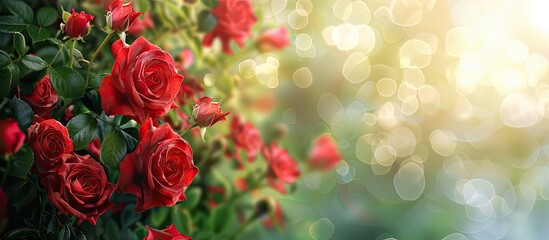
x=160, y=168
x=49, y=140
x=79, y=188
x=43, y=97
x=235, y=19
x=247, y=137
x=282, y=168
x=206, y=112
x=324, y=154
x=11, y=137
x=170, y=233
x=143, y=82
x=121, y=15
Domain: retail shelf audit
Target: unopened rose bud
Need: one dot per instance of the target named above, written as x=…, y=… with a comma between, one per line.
x=77, y=24
x=206, y=112
x=12, y=137
x=121, y=16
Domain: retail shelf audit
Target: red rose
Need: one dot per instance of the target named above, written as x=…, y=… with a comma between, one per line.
x=276, y=217
x=324, y=154
x=235, y=19
x=12, y=138
x=170, y=233
x=78, y=24
x=121, y=16
x=247, y=137
x=94, y=147
x=160, y=168
x=274, y=39
x=79, y=188
x=206, y=113
x=139, y=25
x=49, y=140
x=43, y=97
x=143, y=82
x=282, y=168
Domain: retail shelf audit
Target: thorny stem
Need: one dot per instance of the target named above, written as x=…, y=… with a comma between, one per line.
x=97, y=51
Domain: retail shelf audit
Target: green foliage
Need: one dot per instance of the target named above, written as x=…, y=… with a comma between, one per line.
x=181, y=218
x=67, y=82
x=21, y=9
x=206, y=21
x=12, y=24
x=19, y=43
x=46, y=16
x=222, y=217
x=113, y=149
x=21, y=162
x=22, y=112
x=211, y=3
x=37, y=33
x=33, y=63
x=82, y=129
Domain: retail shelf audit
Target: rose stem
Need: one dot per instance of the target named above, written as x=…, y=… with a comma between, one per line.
x=71, y=52
x=97, y=51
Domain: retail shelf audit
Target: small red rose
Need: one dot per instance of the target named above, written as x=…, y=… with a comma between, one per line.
x=143, y=82
x=324, y=154
x=206, y=112
x=170, y=233
x=121, y=16
x=276, y=217
x=274, y=39
x=247, y=137
x=94, y=147
x=79, y=188
x=43, y=97
x=12, y=138
x=49, y=140
x=160, y=168
x=282, y=168
x=77, y=25
x=235, y=19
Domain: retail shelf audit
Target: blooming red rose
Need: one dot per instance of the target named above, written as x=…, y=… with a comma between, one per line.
x=282, y=168
x=49, y=140
x=121, y=16
x=160, y=168
x=206, y=112
x=143, y=82
x=186, y=57
x=274, y=39
x=247, y=137
x=324, y=154
x=12, y=138
x=79, y=188
x=235, y=19
x=170, y=233
x=139, y=25
x=78, y=24
x=94, y=147
x=43, y=97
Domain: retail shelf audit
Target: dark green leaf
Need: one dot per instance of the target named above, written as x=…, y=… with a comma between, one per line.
x=112, y=231
x=22, y=233
x=19, y=43
x=128, y=234
x=33, y=63
x=46, y=16
x=113, y=149
x=21, y=162
x=14, y=69
x=52, y=225
x=211, y=3
x=25, y=195
x=4, y=59
x=27, y=83
x=221, y=219
x=67, y=82
x=92, y=101
x=38, y=34
x=77, y=234
x=129, y=216
x=64, y=233
x=20, y=8
x=5, y=82
x=12, y=24
x=193, y=198
x=131, y=138
x=55, y=41
x=206, y=21
x=82, y=129
x=159, y=216
x=182, y=220
x=22, y=112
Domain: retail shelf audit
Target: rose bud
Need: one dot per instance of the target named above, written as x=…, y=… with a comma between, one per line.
x=43, y=97
x=77, y=24
x=121, y=16
x=206, y=112
x=276, y=217
x=324, y=154
x=247, y=137
x=186, y=57
x=79, y=188
x=170, y=233
x=49, y=140
x=282, y=168
x=273, y=39
x=235, y=19
x=150, y=89
x=160, y=168
x=94, y=147
x=139, y=25
x=12, y=138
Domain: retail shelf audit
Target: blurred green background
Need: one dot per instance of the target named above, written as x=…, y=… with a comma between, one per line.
x=438, y=108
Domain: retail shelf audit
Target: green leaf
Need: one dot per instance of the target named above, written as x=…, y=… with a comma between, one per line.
x=21, y=9
x=129, y=216
x=131, y=136
x=12, y=24
x=4, y=59
x=77, y=234
x=92, y=101
x=113, y=149
x=210, y=3
x=22, y=112
x=182, y=220
x=193, y=198
x=22, y=233
x=128, y=234
x=27, y=194
x=82, y=129
x=46, y=16
x=206, y=21
x=67, y=82
x=21, y=162
x=112, y=231
x=64, y=233
x=19, y=43
x=221, y=219
x=159, y=215
x=5, y=82
x=38, y=34
x=33, y=63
